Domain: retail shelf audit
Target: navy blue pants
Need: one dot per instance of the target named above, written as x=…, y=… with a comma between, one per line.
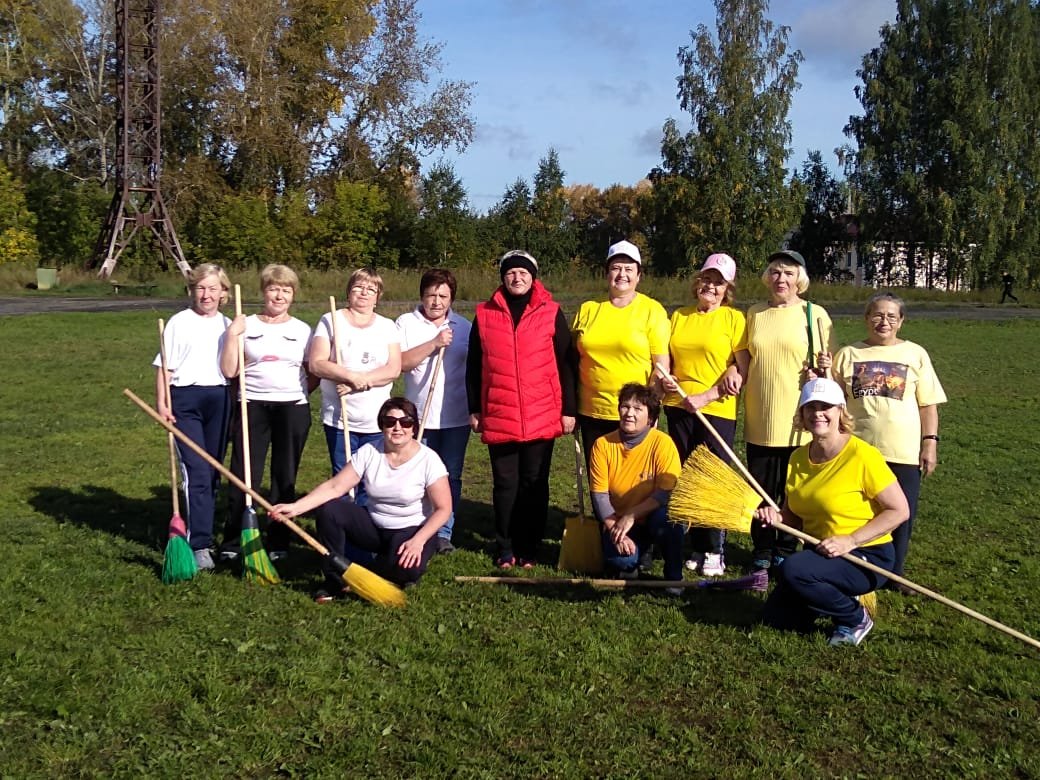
x=909, y=478
x=810, y=585
x=768, y=465
x=688, y=433
x=342, y=525
x=654, y=530
x=202, y=414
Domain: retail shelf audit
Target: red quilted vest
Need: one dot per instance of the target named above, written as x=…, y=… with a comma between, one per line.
x=520, y=384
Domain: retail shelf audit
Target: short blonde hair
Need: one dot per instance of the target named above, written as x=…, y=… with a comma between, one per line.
x=367, y=274
x=200, y=272
x=802, y=280
x=846, y=423
x=275, y=273
x=727, y=298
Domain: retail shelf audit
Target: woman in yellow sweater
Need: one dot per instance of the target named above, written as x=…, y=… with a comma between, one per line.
x=706, y=342
x=782, y=336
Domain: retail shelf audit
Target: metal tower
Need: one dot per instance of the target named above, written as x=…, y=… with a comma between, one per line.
x=137, y=203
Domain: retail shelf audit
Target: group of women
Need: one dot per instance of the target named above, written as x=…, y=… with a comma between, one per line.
x=521, y=376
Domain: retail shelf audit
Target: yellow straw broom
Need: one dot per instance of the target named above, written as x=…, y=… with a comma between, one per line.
x=739, y=493
x=366, y=584
x=581, y=549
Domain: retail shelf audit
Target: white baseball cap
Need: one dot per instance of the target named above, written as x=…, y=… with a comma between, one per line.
x=625, y=249
x=722, y=263
x=825, y=391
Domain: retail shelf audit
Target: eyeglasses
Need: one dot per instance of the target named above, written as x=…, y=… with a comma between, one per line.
x=388, y=422
x=892, y=319
x=362, y=289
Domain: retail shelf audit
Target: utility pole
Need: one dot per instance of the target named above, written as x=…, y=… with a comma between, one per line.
x=137, y=203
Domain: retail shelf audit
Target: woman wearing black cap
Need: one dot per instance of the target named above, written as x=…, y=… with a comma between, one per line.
x=782, y=337
x=521, y=392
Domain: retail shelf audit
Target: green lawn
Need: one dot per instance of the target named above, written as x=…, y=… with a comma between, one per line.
x=105, y=671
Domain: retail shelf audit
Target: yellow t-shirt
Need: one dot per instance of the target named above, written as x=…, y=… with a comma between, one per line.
x=631, y=476
x=702, y=347
x=885, y=388
x=836, y=497
x=614, y=348
x=778, y=342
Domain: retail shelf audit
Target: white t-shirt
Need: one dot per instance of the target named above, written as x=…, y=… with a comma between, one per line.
x=449, y=407
x=275, y=354
x=193, y=345
x=364, y=349
x=397, y=496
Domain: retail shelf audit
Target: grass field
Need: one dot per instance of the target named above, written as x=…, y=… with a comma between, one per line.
x=105, y=671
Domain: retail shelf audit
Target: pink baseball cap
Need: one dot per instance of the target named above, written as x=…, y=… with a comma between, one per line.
x=722, y=263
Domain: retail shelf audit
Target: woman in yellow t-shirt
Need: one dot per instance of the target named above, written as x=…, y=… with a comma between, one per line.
x=840, y=491
x=779, y=351
x=894, y=397
x=705, y=342
x=632, y=473
x=618, y=338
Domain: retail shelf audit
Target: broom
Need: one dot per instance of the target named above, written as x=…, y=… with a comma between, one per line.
x=336, y=356
x=256, y=565
x=367, y=584
x=725, y=483
x=581, y=549
x=178, y=558
x=758, y=580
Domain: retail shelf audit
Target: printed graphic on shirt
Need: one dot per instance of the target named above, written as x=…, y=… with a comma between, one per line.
x=879, y=378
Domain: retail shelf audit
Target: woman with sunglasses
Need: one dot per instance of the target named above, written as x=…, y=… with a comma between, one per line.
x=408, y=501
x=363, y=368
x=894, y=396
x=708, y=349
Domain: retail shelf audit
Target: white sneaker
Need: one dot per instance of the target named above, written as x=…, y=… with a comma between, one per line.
x=204, y=560
x=695, y=562
x=713, y=565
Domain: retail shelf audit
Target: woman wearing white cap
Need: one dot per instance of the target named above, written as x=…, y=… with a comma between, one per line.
x=618, y=338
x=520, y=388
x=840, y=490
x=708, y=348
x=782, y=337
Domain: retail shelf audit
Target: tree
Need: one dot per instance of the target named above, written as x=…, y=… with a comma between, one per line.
x=552, y=238
x=17, y=223
x=947, y=165
x=446, y=230
x=721, y=185
x=821, y=233
x=512, y=217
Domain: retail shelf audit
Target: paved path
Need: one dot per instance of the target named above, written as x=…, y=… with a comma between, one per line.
x=45, y=304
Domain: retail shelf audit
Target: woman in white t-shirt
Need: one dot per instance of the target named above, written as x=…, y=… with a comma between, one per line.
x=363, y=368
x=408, y=501
x=894, y=395
x=200, y=404
x=276, y=388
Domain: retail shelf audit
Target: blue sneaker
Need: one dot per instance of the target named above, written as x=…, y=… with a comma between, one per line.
x=845, y=635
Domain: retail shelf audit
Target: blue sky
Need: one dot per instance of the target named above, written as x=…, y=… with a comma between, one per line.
x=595, y=79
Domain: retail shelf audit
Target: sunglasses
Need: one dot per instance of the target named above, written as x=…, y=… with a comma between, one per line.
x=389, y=422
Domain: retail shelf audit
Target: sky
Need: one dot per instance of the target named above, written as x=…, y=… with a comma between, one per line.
x=596, y=80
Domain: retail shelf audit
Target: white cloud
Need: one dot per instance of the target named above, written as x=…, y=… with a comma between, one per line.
x=648, y=142
x=517, y=142
x=835, y=34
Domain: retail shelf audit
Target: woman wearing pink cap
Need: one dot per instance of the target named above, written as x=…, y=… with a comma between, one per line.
x=708, y=349
x=840, y=490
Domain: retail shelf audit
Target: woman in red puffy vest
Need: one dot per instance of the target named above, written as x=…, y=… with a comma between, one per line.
x=521, y=388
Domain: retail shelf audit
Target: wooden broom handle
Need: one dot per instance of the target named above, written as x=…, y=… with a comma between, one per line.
x=595, y=583
x=429, y=393
x=335, y=357
x=579, y=475
x=168, y=400
x=848, y=556
x=243, y=404
x=216, y=464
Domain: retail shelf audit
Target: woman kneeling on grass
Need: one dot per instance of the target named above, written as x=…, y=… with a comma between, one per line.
x=632, y=471
x=840, y=490
x=408, y=501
